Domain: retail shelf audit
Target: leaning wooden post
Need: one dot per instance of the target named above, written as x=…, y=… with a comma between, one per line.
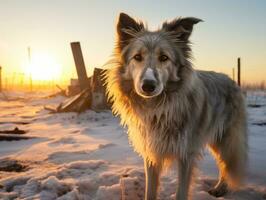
x=80, y=65
x=0, y=79
x=238, y=72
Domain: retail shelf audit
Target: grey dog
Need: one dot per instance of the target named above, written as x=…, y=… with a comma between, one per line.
x=173, y=111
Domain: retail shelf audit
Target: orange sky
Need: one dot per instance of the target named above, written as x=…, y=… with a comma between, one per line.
x=230, y=30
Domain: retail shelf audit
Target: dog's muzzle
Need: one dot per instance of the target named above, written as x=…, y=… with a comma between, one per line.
x=148, y=86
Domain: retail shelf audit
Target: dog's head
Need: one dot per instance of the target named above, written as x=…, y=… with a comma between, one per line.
x=152, y=59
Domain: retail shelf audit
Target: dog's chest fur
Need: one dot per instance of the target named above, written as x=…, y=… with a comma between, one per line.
x=162, y=127
x=160, y=131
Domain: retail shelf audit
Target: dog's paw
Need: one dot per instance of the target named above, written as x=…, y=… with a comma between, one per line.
x=218, y=192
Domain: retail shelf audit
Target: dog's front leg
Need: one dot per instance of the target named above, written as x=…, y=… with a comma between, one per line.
x=185, y=171
x=152, y=172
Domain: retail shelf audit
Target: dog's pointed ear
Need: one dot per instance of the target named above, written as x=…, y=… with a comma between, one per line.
x=182, y=27
x=127, y=28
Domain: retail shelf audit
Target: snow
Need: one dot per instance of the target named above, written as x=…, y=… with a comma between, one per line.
x=87, y=156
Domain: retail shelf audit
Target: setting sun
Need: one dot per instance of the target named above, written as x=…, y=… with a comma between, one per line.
x=43, y=67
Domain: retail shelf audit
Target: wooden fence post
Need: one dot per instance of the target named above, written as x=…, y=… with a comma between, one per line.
x=80, y=66
x=239, y=72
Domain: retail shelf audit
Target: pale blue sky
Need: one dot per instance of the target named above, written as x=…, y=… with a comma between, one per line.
x=230, y=29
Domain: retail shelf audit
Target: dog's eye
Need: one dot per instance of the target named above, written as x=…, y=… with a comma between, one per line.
x=138, y=57
x=163, y=58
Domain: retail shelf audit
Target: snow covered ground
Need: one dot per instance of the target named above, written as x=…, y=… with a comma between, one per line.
x=87, y=156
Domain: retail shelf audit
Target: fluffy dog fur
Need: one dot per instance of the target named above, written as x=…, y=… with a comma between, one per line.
x=173, y=111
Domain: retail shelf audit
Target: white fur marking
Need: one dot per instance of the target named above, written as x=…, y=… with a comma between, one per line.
x=149, y=74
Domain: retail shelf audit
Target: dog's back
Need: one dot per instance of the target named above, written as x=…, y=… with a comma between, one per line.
x=225, y=101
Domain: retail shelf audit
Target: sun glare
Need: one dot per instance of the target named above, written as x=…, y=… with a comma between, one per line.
x=43, y=67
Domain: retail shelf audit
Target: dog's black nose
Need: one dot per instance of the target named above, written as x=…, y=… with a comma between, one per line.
x=148, y=86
